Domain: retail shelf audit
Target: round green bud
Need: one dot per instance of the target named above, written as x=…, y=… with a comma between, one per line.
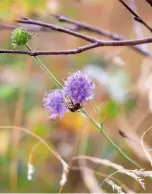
x=20, y=36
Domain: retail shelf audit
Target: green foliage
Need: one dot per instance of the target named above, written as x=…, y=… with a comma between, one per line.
x=130, y=104
x=6, y=92
x=111, y=109
x=42, y=129
x=10, y=9
x=4, y=8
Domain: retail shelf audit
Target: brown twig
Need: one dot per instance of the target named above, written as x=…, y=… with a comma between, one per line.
x=77, y=26
x=58, y=29
x=82, y=26
x=7, y=26
x=136, y=16
x=87, y=27
x=97, y=43
x=72, y=31
x=33, y=28
x=63, y=30
x=149, y=2
x=137, y=25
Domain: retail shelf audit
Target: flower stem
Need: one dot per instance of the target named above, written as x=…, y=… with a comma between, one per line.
x=101, y=130
x=119, y=150
x=45, y=68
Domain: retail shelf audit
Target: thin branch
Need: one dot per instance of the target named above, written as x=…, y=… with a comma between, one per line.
x=137, y=25
x=59, y=52
x=95, y=42
x=39, y=26
x=149, y=2
x=81, y=49
x=136, y=16
x=59, y=29
x=87, y=27
x=33, y=28
x=82, y=26
x=7, y=26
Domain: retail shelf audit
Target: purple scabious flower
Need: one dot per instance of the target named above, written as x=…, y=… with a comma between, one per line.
x=79, y=87
x=54, y=101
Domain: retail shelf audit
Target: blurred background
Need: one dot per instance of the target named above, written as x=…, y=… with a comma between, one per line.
x=123, y=79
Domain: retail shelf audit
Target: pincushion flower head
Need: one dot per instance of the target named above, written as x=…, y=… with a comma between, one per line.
x=54, y=101
x=20, y=36
x=78, y=87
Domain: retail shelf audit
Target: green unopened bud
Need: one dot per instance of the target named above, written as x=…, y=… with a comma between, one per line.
x=20, y=36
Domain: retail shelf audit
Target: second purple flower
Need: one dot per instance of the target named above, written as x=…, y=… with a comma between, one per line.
x=54, y=101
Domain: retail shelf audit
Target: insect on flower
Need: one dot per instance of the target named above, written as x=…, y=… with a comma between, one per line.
x=77, y=90
x=73, y=107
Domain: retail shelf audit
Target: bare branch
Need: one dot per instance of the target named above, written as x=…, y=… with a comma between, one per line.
x=7, y=26
x=95, y=42
x=136, y=16
x=39, y=26
x=87, y=27
x=59, y=29
x=137, y=25
x=59, y=52
x=33, y=28
x=149, y=2
x=82, y=26
x=30, y=28
x=80, y=49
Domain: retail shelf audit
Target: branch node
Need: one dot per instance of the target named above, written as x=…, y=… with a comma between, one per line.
x=137, y=19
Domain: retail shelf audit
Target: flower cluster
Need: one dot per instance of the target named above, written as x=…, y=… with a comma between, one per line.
x=78, y=88
x=54, y=102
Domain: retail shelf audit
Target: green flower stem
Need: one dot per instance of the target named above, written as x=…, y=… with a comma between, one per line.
x=101, y=130
x=45, y=69
x=119, y=150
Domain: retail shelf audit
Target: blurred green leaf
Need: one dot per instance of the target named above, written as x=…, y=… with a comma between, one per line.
x=6, y=92
x=42, y=129
x=10, y=9
x=108, y=152
x=130, y=104
x=38, y=5
x=111, y=109
x=4, y=11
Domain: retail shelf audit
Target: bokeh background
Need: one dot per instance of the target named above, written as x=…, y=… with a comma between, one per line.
x=123, y=93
